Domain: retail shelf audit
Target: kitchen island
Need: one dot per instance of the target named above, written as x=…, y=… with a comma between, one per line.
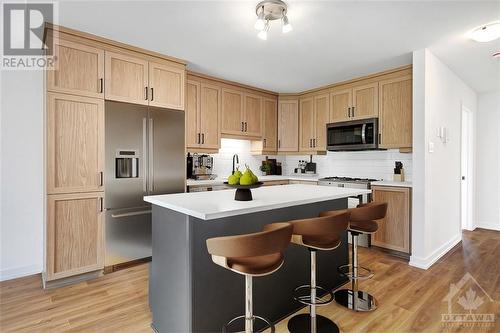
x=189, y=293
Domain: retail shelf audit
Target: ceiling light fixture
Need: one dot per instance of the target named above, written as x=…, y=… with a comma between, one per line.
x=486, y=33
x=271, y=10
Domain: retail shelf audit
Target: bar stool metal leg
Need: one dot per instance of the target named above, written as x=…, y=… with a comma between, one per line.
x=312, y=322
x=249, y=317
x=353, y=298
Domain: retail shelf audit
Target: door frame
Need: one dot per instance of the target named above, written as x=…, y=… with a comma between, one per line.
x=466, y=169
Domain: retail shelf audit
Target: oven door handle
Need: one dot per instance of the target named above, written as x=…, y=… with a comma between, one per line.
x=363, y=134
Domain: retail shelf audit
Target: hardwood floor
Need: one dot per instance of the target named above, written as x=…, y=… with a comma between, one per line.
x=410, y=299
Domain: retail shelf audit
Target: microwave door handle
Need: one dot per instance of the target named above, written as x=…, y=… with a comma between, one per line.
x=144, y=150
x=363, y=134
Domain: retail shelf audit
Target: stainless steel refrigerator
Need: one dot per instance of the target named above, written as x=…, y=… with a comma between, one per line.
x=144, y=156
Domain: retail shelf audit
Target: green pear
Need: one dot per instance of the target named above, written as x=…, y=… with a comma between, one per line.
x=233, y=180
x=255, y=179
x=238, y=173
x=247, y=178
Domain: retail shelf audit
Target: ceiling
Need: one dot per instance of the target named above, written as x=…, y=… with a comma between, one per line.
x=332, y=41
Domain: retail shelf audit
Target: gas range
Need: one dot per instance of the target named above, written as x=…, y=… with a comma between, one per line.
x=361, y=182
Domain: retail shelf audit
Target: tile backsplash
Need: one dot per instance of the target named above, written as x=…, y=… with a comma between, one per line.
x=364, y=164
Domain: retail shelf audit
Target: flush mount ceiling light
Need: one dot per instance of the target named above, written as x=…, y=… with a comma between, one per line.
x=271, y=10
x=486, y=33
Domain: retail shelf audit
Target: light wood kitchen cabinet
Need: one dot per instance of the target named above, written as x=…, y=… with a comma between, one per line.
x=241, y=114
x=270, y=125
x=306, y=124
x=75, y=234
x=193, y=105
x=288, y=125
x=79, y=69
x=252, y=118
x=314, y=115
x=232, y=112
x=340, y=105
x=209, y=116
x=202, y=114
x=166, y=84
x=321, y=118
x=365, y=101
x=126, y=78
x=75, y=143
x=133, y=79
x=394, y=230
x=395, y=112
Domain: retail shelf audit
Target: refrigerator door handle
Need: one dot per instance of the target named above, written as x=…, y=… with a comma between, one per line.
x=151, y=156
x=144, y=150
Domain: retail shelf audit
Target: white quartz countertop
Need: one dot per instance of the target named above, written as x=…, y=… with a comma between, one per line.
x=221, y=180
x=391, y=183
x=219, y=204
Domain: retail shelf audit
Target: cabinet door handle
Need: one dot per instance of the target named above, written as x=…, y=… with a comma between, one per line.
x=279, y=143
x=264, y=143
x=353, y=108
x=199, y=138
x=101, y=178
x=202, y=138
x=146, y=98
x=242, y=126
x=101, y=205
x=246, y=127
x=152, y=95
x=349, y=112
x=380, y=138
x=314, y=142
x=101, y=85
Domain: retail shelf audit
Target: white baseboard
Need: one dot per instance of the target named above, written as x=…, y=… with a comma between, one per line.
x=488, y=225
x=13, y=273
x=428, y=261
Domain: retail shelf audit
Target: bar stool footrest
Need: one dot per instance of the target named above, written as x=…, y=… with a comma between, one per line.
x=306, y=299
x=363, y=272
x=302, y=324
x=234, y=320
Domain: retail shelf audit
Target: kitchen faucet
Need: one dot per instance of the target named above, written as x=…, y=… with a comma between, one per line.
x=237, y=161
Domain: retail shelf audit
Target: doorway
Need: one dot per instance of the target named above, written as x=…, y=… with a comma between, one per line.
x=466, y=169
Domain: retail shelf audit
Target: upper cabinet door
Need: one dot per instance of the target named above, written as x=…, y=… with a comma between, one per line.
x=209, y=115
x=395, y=113
x=288, y=125
x=79, y=70
x=306, y=124
x=232, y=112
x=75, y=143
x=253, y=115
x=321, y=113
x=365, y=101
x=270, y=125
x=340, y=103
x=166, y=85
x=126, y=78
x=193, y=100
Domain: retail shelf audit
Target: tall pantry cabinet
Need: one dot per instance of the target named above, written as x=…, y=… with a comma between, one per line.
x=89, y=70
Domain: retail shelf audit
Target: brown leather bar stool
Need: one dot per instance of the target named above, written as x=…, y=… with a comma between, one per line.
x=324, y=234
x=363, y=220
x=256, y=254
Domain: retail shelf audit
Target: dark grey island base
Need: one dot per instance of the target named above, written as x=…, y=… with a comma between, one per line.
x=189, y=293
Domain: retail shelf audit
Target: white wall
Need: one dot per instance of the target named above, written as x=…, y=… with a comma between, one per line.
x=488, y=162
x=22, y=203
x=438, y=98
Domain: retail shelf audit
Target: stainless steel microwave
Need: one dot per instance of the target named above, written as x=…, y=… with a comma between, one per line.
x=352, y=135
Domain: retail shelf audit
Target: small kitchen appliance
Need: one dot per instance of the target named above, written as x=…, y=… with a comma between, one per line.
x=200, y=167
x=353, y=135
